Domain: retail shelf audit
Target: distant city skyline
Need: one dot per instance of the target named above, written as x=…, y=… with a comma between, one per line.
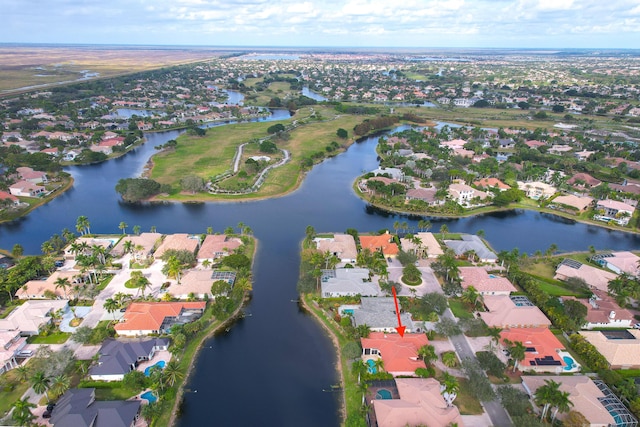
x=353, y=23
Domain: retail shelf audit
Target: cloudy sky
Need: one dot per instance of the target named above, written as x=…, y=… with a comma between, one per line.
x=357, y=23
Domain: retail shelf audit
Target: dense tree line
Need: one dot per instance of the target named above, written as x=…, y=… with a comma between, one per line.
x=137, y=189
x=375, y=124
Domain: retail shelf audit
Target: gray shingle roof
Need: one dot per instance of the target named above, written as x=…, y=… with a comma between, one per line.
x=380, y=312
x=470, y=242
x=78, y=408
x=117, y=357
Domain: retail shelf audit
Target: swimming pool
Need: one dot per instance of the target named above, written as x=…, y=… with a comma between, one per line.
x=149, y=396
x=571, y=364
x=347, y=312
x=383, y=394
x=371, y=366
x=147, y=370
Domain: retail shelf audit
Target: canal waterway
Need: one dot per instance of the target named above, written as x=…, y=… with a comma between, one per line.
x=276, y=366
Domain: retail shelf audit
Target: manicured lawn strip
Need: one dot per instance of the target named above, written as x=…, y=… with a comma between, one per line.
x=558, y=291
x=55, y=338
x=467, y=403
x=629, y=373
x=8, y=398
x=459, y=309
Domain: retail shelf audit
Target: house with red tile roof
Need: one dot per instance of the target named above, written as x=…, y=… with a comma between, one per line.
x=145, y=318
x=604, y=312
x=542, y=347
x=585, y=180
x=519, y=312
x=491, y=183
x=383, y=243
x=620, y=348
x=32, y=176
x=535, y=144
x=421, y=403
x=399, y=354
x=10, y=197
x=594, y=277
x=485, y=283
x=26, y=189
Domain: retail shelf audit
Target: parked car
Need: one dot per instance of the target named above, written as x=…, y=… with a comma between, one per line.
x=25, y=353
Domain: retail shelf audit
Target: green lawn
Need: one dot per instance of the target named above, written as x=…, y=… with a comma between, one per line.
x=11, y=393
x=55, y=338
x=558, y=291
x=118, y=393
x=466, y=402
x=459, y=309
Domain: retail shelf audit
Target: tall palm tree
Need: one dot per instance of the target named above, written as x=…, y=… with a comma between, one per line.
x=22, y=412
x=136, y=230
x=40, y=383
x=427, y=353
x=23, y=372
x=562, y=404
x=127, y=247
x=60, y=384
x=517, y=351
x=444, y=230
x=241, y=225
x=494, y=333
x=64, y=283
x=82, y=225
x=123, y=226
x=173, y=268
x=111, y=305
x=546, y=395
x=450, y=388
x=209, y=230
x=472, y=297
x=173, y=372
x=424, y=225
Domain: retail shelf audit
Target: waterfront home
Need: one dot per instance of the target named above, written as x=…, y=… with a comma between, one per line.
x=343, y=282
x=142, y=245
x=393, y=173
x=193, y=284
x=577, y=203
x=32, y=176
x=426, y=245
x=592, y=276
x=613, y=210
x=217, y=246
x=620, y=262
x=583, y=155
x=399, y=354
x=583, y=180
x=464, y=195
x=604, y=312
x=485, y=283
x=591, y=398
x=427, y=195
x=537, y=190
x=178, y=242
x=11, y=342
x=10, y=198
x=383, y=243
x=118, y=358
x=491, y=183
x=145, y=318
x=86, y=246
x=512, y=312
x=470, y=242
x=559, y=149
x=621, y=348
x=78, y=407
x=26, y=189
x=542, y=349
x=342, y=246
x=29, y=317
x=379, y=314
x=421, y=403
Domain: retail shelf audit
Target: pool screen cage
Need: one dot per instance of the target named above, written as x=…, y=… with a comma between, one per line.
x=616, y=408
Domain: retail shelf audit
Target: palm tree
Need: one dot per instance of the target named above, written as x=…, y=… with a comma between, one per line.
x=172, y=372
x=472, y=297
x=424, y=225
x=127, y=247
x=480, y=233
x=22, y=412
x=123, y=226
x=40, y=383
x=449, y=359
x=136, y=230
x=494, y=333
x=562, y=403
x=396, y=226
x=206, y=263
x=152, y=229
x=379, y=364
x=82, y=225
x=546, y=395
x=23, y=372
x=64, y=283
x=173, y=268
x=450, y=387
x=241, y=225
x=427, y=353
x=111, y=305
x=60, y=384
x=517, y=351
x=444, y=230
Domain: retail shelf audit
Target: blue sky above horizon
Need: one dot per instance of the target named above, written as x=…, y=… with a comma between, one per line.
x=347, y=23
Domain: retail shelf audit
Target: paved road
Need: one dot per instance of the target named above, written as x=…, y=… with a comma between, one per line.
x=494, y=409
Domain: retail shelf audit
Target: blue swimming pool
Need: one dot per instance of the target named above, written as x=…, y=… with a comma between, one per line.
x=347, y=312
x=149, y=396
x=371, y=366
x=160, y=364
x=569, y=362
x=383, y=394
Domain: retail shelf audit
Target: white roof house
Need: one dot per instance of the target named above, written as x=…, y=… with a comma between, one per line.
x=343, y=282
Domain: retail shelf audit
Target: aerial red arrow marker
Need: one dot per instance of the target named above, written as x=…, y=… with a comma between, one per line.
x=399, y=328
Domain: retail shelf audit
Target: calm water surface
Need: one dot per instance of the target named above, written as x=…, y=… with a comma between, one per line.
x=271, y=368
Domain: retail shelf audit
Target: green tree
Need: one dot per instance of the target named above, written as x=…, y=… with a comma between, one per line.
x=64, y=283
x=136, y=230
x=449, y=359
x=450, y=388
x=428, y=354
x=546, y=395
x=341, y=133
x=22, y=412
x=60, y=384
x=17, y=251
x=123, y=227
x=40, y=383
x=173, y=372
x=192, y=183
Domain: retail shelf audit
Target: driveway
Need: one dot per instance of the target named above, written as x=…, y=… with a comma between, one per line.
x=429, y=281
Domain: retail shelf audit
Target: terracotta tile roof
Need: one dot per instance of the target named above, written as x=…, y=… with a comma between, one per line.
x=619, y=352
x=484, y=282
x=504, y=313
x=491, y=182
x=217, y=245
x=181, y=241
x=594, y=277
x=540, y=343
x=384, y=242
x=343, y=245
x=148, y=316
x=586, y=178
x=578, y=202
x=399, y=354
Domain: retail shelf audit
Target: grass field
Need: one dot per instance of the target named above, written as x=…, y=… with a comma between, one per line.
x=459, y=309
x=55, y=338
x=466, y=402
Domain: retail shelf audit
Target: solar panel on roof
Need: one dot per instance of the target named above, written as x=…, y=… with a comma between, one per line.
x=571, y=263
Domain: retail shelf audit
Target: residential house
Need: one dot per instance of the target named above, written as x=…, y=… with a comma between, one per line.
x=379, y=314
x=427, y=195
x=78, y=407
x=613, y=210
x=12, y=200
x=217, y=246
x=491, y=183
x=583, y=180
x=453, y=144
x=504, y=311
x=583, y=155
x=46, y=289
x=620, y=262
x=88, y=243
x=70, y=156
x=560, y=149
x=393, y=173
x=542, y=349
x=470, y=242
x=29, y=317
x=145, y=318
x=193, y=283
x=11, y=342
x=578, y=203
x=399, y=354
x=620, y=348
x=591, y=398
x=118, y=358
x=485, y=283
x=537, y=190
x=592, y=276
x=383, y=243
x=143, y=245
x=463, y=194
x=342, y=282
x=604, y=312
x=426, y=245
x=26, y=189
x=179, y=242
x=342, y=246
x=535, y=144
x=421, y=403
